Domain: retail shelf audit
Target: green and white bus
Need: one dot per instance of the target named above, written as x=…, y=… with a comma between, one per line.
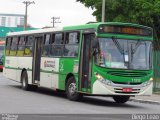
x=104, y=59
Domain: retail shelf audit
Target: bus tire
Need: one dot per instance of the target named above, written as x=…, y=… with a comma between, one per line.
x=121, y=99
x=71, y=91
x=33, y=87
x=24, y=81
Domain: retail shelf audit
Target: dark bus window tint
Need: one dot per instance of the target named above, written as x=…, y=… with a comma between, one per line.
x=73, y=38
x=8, y=45
x=71, y=44
x=57, y=50
x=21, y=46
x=30, y=40
x=57, y=47
x=29, y=46
x=58, y=38
x=22, y=41
x=71, y=50
x=47, y=39
x=53, y=38
x=46, y=47
x=14, y=44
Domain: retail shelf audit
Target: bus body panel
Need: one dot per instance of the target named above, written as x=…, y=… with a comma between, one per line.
x=49, y=72
x=67, y=66
x=15, y=65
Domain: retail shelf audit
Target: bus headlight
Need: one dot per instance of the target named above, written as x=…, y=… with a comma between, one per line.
x=147, y=82
x=102, y=80
x=151, y=79
x=98, y=76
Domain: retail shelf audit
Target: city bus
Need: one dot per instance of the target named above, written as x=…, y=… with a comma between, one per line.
x=101, y=59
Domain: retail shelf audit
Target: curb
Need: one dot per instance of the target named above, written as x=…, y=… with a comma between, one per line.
x=145, y=101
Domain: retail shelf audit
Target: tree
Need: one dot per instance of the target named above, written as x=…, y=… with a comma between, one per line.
x=145, y=12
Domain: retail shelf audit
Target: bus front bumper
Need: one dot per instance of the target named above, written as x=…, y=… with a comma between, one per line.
x=100, y=88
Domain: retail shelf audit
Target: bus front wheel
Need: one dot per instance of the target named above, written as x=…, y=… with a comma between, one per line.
x=24, y=81
x=121, y=99
x=71, y=90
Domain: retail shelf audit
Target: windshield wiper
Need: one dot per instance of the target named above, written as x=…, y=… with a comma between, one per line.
x=136, y=46
x=123, y=51
x=118, y=45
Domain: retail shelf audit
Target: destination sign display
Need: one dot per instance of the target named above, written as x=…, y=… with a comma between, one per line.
x=125, y=30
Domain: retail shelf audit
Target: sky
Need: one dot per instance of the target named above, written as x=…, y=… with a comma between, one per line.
x=40, y=13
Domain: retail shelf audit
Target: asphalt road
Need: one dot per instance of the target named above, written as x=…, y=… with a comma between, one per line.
x=14, y=100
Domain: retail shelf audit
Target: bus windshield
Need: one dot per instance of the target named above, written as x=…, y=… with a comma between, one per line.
x=124, y=54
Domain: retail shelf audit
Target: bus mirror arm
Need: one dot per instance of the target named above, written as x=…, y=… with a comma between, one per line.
x=94, y=47
x=95, y=51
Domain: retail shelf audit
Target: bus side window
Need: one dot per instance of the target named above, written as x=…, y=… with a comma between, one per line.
x=57, y=44
x=46, y=48
x=29, y=46
x=71, y=44
x=21, y=46
x=14, y=44
x=8, y=45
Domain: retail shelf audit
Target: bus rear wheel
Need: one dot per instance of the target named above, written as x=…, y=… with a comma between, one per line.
x=24, y=81
x=121, y=99
x=71, y=90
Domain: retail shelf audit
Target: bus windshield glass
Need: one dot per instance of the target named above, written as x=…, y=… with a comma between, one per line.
x=124, y=54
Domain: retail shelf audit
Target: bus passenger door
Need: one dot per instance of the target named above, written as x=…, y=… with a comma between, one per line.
x=37, y=59
x=86, y=63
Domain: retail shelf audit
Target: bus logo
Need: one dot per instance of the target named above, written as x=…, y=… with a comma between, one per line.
x=49, y=64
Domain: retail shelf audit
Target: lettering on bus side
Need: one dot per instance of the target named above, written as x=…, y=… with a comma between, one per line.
x=49, y=64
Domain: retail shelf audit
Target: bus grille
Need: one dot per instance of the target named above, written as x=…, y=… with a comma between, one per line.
x=126, y=83
x=127, y=74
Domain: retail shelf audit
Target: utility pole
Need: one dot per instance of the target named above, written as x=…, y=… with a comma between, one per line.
x=54, y=20
x=27, y=3
x=103, y=10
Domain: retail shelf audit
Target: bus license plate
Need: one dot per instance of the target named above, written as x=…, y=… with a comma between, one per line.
x=127, y=90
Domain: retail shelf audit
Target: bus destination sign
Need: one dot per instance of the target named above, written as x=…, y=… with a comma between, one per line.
x=125, y=30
